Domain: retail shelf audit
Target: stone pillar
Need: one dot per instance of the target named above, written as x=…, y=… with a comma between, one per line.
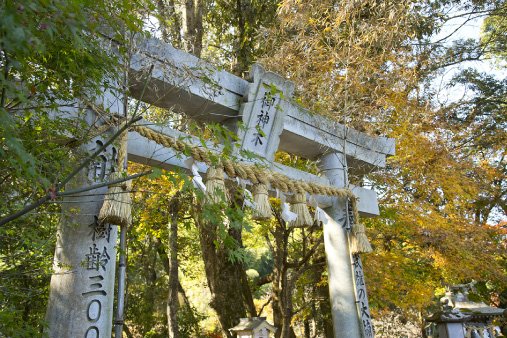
x=341, y=285
x=82, y=287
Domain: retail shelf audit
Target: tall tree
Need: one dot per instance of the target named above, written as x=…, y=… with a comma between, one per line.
x=170, y=22
x=172, y=298
x=370, y=65
x=289, y=268
x=192, y=25
x=220, y=228
x=346, y=60
x=233, y=31
x=50, y=53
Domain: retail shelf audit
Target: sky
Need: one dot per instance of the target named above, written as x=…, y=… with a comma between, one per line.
x=467, y=30
x=471, y=29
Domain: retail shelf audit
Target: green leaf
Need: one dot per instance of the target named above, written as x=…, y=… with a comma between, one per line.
x=156, y=173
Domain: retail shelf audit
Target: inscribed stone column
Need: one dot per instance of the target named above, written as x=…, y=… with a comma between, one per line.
x=82, y=288
x=341, y=285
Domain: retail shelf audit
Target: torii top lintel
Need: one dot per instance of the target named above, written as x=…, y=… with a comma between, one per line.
x=183, y=81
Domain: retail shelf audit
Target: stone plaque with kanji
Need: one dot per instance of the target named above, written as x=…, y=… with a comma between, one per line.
x=264, y=111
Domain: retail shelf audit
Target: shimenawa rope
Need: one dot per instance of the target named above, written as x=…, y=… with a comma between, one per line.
x=251, y=172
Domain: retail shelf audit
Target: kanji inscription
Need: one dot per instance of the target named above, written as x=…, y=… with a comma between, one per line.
x=261, y=131
x=97, y=259
x=264, y=111
x=362, y=297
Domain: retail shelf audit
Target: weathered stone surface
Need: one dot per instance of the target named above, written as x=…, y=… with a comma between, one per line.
x=184, y=82
x=339, y=265
x=263, y=112
x=81, y=291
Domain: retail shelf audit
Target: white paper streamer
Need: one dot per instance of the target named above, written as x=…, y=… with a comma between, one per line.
x=249, y=199
x=319, y=213
x=197, y=179
x=325, y=217
x=281, y=196
x=199, y=183
x=287, y=215
x=241, y=182
x=322, y=215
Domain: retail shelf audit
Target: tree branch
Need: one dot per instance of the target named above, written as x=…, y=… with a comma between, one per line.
x=264, y=305
x=264, y=280
x=100, y=185
x=308, y=255
x=46, y=198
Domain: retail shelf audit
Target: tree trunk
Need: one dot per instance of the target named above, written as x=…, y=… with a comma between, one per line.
x=150, y=275
x=169, y=22
x=224, y=280
x=243, y=53
x=182, y=297
x=247, y=294
x=192, y=26
x=223, y=274
x=176, y=25
x=278, y=252
x=172, y=297
x=282, y=296
x=286, y=273
x=308, y=332
x=324, y=305
x=163, y=17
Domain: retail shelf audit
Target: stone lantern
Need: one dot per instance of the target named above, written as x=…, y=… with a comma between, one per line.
x=254, y=327
x=462, y=318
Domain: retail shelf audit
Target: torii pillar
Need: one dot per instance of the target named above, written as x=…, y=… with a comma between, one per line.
x=342, y=293
x=81, y=293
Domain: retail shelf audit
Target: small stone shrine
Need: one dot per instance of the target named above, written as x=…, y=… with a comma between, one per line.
x=460, y=317
x=254, y=327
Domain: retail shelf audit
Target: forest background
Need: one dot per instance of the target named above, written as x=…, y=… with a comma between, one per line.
x=383, y=67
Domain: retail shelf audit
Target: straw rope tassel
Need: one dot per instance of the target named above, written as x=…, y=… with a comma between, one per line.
x=298, y=206
x=359, y=242
x=215, y=184
x=263, y=208
x=116, y=208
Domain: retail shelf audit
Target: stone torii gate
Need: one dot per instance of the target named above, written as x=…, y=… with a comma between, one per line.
x=81, y=293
